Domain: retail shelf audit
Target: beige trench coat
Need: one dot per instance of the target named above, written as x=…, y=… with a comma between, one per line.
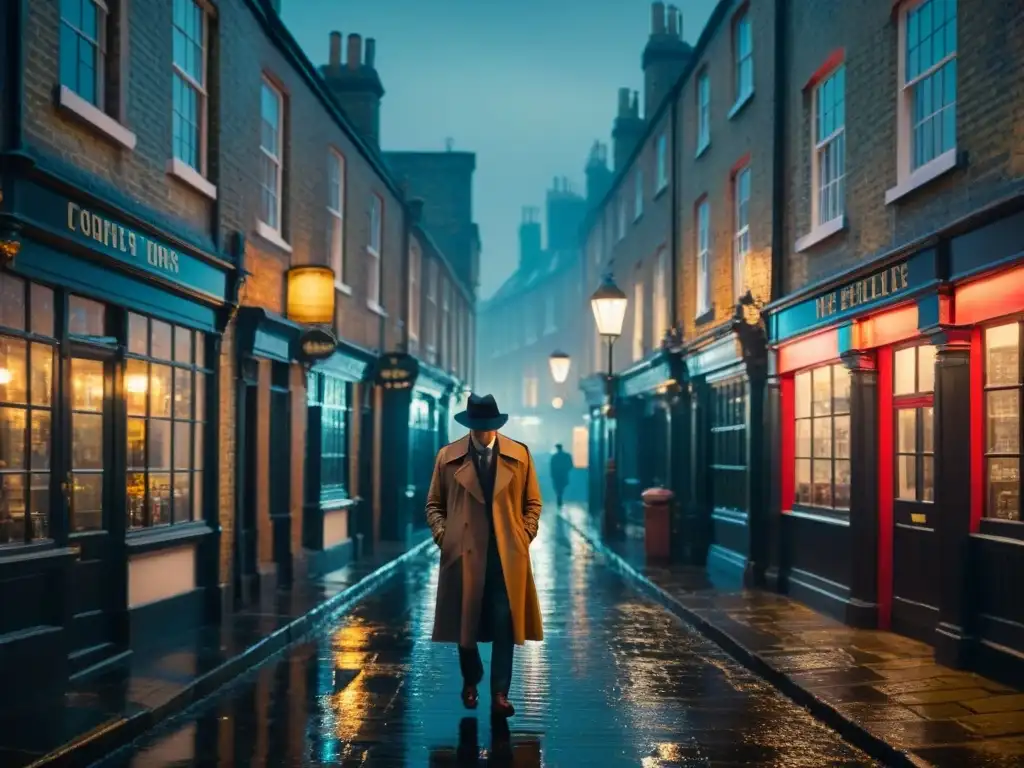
x=457, y=515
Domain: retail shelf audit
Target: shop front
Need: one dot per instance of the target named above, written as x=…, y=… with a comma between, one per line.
x=109, y=347
x=899, y=442
x=416, y=408
x=724, y=505
x=595, y=392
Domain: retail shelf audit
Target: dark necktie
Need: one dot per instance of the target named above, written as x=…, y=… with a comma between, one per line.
x=485, y=461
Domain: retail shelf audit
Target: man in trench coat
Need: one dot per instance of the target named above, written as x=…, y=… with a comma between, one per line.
x=483, y=508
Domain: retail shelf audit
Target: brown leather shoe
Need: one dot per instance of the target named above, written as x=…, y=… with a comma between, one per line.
x=500, y=706
x=469, y=696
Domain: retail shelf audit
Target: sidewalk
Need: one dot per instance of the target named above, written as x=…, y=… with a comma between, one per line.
x=882, y=691
x=105, y=712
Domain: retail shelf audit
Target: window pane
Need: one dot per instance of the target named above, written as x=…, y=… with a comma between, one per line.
x=821, y=493
x=87, y=385
x=161, y=340
x=842, y=500
x=160, y=498
x=160, y=391
x=182, y=445
x=200, y=350
x=841, y=427
x=87, y=502
x=13, y=424
x=138, y=330
x=136, y=444
x=1004, y=489
x=905, y=366
x=136, y=385
x=822, y=438
x=906, y=430
x=1003, y=421
x=12, y=302
x=841, y=389
x=821, y=380
x=926, y=368
x=39, y=440
x=13, y=367
x=803, y=389
x=928, y=479
x=159, y=444
x=182, y=497
x=1002, y=361
x=12, y=508
x=928, y=427
x=906, y=474
x=182, y=345
x=42, y=374
x=197, y=456
x=136, y=492
x=182, y=393
x=42, y=310
x=86, y=318
x=197, y=496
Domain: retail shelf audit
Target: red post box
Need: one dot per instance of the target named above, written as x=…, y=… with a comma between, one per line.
x=657, y=523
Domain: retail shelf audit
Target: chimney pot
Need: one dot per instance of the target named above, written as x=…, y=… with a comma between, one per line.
x=371, y=52
x=355, y=51
x=623, y=101
x=335, y=57
x=675, y=22
x=658, y=18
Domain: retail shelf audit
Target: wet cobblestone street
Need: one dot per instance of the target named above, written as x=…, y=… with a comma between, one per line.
x=617, y=682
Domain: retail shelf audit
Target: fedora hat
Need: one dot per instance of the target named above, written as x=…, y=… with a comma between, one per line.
x=481, y=414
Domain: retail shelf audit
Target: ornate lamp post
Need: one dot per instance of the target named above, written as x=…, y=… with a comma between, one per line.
x=559, y=363
x=609, y=306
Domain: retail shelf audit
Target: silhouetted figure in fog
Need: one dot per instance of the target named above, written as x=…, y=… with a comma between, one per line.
x=561, y=466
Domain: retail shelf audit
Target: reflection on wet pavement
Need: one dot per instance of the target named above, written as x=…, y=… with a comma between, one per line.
x=617, y=682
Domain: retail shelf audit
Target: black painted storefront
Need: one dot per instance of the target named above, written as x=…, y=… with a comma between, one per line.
x=415, y=416
x=109, y=345
x=927, y=342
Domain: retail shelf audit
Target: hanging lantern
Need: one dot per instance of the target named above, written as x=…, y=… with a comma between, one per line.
x=559, y=363
x=311, y=295
x=609, y=306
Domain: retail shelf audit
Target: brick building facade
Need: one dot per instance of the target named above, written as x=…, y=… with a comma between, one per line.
x=169, y=166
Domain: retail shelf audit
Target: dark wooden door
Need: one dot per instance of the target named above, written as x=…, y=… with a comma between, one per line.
x=97, y=589
x=280, y=480
x=915, y=571
x=246, y=533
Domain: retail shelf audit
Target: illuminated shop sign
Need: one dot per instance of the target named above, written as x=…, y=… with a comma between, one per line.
x=315, y=344
x=397, y=371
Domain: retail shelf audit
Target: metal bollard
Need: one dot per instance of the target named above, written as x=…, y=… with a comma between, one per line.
x=657, y=523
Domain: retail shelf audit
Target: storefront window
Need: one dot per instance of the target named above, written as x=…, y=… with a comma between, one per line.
x=332, y=395
x=26, y=409
x=1002, y=421
x=165, y=390
x=913, y=383
x=729, y=444
x=823, y=437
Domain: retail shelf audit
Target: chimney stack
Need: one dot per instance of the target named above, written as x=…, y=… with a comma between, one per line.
x=657, y=18
x=623, y=102
x=371, y=52
x=355, y=51
x=335, y=58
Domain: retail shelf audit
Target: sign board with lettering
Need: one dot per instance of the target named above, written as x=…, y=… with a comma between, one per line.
x=397, y=371
x=886, y=285
x=315, y=344
x=112, y=236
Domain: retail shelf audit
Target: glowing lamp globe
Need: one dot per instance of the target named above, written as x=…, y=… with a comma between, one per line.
x=609, y=305
x=311, y=295
x=559, y=362
x=557, y=403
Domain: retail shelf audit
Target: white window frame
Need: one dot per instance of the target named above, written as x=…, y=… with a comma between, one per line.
x=832, y=146
x=703, y=234
x=909, y=178
x=638, y=193
x=336, y=170
x=374, y=246
x=415, y=287
x=703, y=111
x=99, y=44
x=638, y=319
x=275, y=156
x=662, y=152
x=743, y=62
x=202, y=96
x=661, y=316
x=741, y=229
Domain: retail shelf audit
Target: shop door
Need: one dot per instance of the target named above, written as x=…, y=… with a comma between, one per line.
x=94, y=532
x=915, y=571
x=280, y=490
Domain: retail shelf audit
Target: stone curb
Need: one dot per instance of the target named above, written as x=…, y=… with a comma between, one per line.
x=843, y=724
x=90, y=747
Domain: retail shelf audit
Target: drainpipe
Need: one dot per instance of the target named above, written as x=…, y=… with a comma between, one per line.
x=674, y=217
x=779, y=155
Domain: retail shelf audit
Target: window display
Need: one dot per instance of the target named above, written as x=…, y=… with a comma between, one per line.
x=729, y=444
x=822, y=445
x=1002, y=422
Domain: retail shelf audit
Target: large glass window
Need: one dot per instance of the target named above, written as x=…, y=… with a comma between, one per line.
x=271, y=155
x=1002, y=421
x=913, y=384
x=822, y=446
x=189, y=84
x=165, y=385
x=703, y=257
x=929, y=82
x=829, y=159
x=744, y=58
x=26, y=409
x=83, y=48
x=333, y=397
x=729, y=444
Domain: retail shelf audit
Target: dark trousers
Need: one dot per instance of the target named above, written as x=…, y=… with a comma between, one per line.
x=559, y=492
x=496, y=619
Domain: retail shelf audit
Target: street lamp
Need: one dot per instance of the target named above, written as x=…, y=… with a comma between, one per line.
x=609, y=306
x=559, y=362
